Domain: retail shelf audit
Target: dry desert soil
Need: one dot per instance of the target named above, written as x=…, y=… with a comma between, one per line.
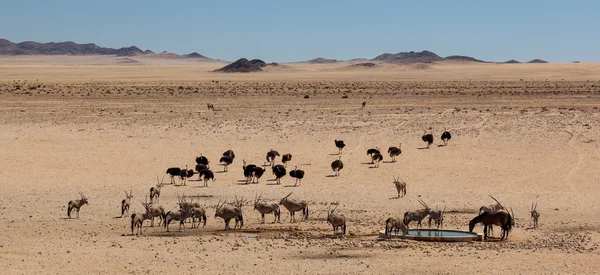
x=523, y=133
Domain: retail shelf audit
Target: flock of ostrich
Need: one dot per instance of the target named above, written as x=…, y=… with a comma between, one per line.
x=489, y=216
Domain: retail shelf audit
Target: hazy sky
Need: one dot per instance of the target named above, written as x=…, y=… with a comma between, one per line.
x=281, y=30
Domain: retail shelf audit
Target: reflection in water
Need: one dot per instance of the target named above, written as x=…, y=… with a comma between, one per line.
x=436, y=233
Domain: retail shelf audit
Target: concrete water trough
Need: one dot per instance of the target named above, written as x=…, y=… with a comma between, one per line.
x=433, y=235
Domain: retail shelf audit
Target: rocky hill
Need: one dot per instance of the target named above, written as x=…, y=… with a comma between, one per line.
x=409, y=57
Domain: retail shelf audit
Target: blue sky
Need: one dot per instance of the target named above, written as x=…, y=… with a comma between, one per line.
x=283, y=31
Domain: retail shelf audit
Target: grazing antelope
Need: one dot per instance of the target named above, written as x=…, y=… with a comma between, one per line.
x=137, y=220
x=438, y=217
x=396, y=225
x=336, y=221
x=427, y=137
x=180, y=215
x=286, y=158
x=76, y=204
x=227, y=213
x=337, y=165
x=501, y=218
x=298, y=174
x=340, y=145
x=154, y=210
x=376, y=158
x=535, y=215
x=271, y=156
x=126, y=202
x=174, y=171
x=417, y=215
x=400, y=187
x=267, y=208
x=155, y=191
x=446, y=136
x=293, y=206
x=395, y=151
x=207, y=174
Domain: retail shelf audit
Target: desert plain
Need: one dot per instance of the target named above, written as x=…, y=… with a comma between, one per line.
x=524, y=133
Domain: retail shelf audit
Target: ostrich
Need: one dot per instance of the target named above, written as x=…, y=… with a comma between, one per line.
x=285, y=158
x=279, y=172
x=377, y=158
x=395, y=151
x=174, y=171
x=248, y=171
x=337, y=165
x=298, y=174
x=200, y=167
x=427, y=138
x=258, y=172
x=207, y=174
x=372, y=152
x=271, y=156
x=446, y=136
x=226, y=160
x=229, y=153
x=340, y=145
x=202, y=160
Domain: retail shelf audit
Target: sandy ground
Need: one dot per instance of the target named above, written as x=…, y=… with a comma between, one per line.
x=521, y=141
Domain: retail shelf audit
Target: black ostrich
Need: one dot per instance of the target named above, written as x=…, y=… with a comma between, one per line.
x=202, y=160
x=229, y=153
x=207, y=174
x=285, y=158
x=279, y=172
x=174, y=171
x=248, y=171
x=427, y=138
x=298, y=174
x=337, y=165
x=340, y=145
x=200, y=167
x=258, y=172
x=226, y=161
x=395, y=151
x=377, y=158
x=271, y=156
x=372, y=152
x=446, y=136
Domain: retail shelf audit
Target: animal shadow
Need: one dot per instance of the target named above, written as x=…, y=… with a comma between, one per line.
x=330, y=176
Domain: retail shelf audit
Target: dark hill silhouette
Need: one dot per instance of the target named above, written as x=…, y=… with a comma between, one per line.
x=537, y=61
x=409, y=57
x=512, y=61
x=462, y=58
x=195, y=55
x=242, y=65
x=320, y=60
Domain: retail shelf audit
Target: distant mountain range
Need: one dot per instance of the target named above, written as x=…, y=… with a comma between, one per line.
x=71, y=48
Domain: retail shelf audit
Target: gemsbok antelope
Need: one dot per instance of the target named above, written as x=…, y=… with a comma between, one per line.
x=337, y=221
x=154, y=210
x=155, y=191
x=230, y=212
x=76, y=204
x=267, y=208
x=292, y=206
x=400, y=187
x=501, y=218
x=180, y=215
x=438, y=217
x=125, y=203
x=492, y=208
x=137, y=221
x=396, y=225
x=417, y=215
x=535, y=215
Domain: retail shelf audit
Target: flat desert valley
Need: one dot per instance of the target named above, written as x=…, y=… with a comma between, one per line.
x=523, y=133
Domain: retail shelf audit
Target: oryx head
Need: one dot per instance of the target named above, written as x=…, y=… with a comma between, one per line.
x=285, y=198
x=218, y=207
x=256, y=201
x=330, y=212
x=129, y=195
x=427, y=209
x=84, y=199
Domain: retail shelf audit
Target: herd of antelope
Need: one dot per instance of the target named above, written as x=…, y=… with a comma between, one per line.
x=489, y=215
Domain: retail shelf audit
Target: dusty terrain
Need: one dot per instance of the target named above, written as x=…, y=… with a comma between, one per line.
x=98, y=127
